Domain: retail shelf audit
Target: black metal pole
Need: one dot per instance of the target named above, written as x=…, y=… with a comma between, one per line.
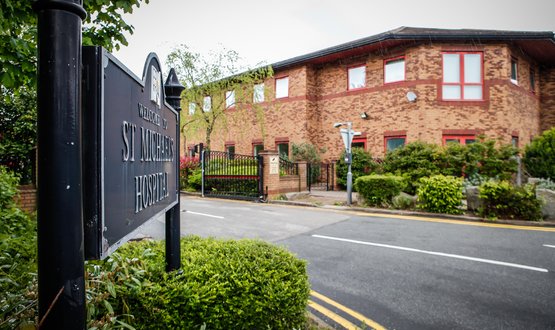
x=60, y=213
x=173, y=90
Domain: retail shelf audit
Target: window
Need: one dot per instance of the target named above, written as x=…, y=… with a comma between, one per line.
x=207, y=104
x=258, y=93
x=283, y=149
x=514, y=141
x=256, y=148
x=229, y=99
x=514, y=72
x=394, y=70
x=359, y=142
x=192, y=108
x=459, y=139
x=357, y=77
x=230, y=149
x=282, y=87
x=394, y=142
x=532, y=80
x=462, y=76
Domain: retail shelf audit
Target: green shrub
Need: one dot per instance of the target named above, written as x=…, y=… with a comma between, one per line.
x=308, y=152
x=195, y=179
x=378, y=190
x=545, y=184
x=440, y=194
x=539, y=157
x=484, y=158
x=362, y=164
x=413, y=161
x=503, y=200
x=246, y=284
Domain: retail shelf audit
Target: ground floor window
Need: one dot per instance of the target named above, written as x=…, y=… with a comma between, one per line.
x=394, y=142
x=283, y=149
x=459, y=139
x=256, y=148
x=359, y=142
x=230, y=149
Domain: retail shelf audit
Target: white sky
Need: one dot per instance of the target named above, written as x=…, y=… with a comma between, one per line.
x=274, y=30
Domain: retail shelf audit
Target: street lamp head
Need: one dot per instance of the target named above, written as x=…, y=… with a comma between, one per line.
x=336, y=125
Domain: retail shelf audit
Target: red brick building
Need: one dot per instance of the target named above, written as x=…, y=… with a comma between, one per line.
x=401, y=86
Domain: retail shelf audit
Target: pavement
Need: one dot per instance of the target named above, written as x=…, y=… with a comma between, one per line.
x=338, y=200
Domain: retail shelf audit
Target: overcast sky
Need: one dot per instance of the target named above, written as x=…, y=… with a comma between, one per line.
x=272, y=30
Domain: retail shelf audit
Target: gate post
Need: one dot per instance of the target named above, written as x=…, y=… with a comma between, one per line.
x=270, y=176
x=303, y=173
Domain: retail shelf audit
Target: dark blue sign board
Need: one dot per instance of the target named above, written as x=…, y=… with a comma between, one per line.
x=130, y=150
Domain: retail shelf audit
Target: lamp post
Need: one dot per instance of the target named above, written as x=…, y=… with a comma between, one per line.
x=347, y=135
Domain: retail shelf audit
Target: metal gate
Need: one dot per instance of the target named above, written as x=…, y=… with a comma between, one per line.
x=230, y=175
x=320, y=176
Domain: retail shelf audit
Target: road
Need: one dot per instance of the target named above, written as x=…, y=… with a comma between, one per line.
x=401, y=273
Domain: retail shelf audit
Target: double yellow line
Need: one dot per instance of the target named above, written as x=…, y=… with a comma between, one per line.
x=337, y=318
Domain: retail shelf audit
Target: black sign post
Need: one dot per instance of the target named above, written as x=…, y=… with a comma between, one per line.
x=60, y=213
x=173, y=89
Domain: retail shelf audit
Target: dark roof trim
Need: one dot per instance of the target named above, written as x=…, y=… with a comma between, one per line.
x=419, y=34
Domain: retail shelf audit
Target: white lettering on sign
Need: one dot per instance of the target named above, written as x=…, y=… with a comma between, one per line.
x=150, y=189
x=274, y=164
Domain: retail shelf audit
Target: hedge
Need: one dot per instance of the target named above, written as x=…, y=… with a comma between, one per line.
x=503, y=200
x=378, y=190
x=440, y=194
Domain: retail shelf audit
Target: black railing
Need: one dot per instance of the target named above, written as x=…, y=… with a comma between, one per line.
x=232, y=175
x=287, y=168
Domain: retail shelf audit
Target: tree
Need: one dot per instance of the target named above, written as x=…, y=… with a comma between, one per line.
x=104, y=26
x=213, y=84
x=539, y=157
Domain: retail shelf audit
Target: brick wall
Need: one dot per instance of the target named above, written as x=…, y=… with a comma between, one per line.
x=27, y=199
x=318, y=97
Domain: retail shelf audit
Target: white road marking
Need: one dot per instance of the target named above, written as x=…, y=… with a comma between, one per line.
x=206, y=215
x=456, y=256
x=551, y=246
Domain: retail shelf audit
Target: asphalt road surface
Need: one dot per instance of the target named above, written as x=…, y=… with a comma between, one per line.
x=400, y=272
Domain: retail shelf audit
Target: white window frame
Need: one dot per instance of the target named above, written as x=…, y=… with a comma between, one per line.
x=391, y=63
x=515, y=79
x=461, y=84
x=207, y=104
x=229, y=99
x=356, y=77
x=258, y=93
x=282, y=87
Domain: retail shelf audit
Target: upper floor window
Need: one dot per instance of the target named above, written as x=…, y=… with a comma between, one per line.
x=394, y=70
x=258, y=93
x=462, y=76
x=192, y=108
x=229, y=99
x=357, y=77
x=514, y=71
x=207, y=104
x=282, y=87
x=532, y=80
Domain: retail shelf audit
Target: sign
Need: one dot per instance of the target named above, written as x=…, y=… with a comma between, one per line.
x=130, y=150
x=348, y=138
x=274, y=164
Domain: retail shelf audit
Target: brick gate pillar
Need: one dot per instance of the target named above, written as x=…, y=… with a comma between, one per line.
x=302, y=175
x=270, y=159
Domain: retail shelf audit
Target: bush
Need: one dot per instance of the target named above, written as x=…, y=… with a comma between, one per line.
x=413, y=161
x=194, y=180
x=308, y=152
x=378, y=190
x=187, y=167
x=362, y=164
x=545, y=184
x=246, y=284
x=440, y=194
x=539, y=157
x=403, y=201
x=503, y=200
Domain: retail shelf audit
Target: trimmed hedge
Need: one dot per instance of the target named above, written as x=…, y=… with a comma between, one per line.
x=246, y=284
x=377, y=190
x=440, y=194
x=503, y=200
